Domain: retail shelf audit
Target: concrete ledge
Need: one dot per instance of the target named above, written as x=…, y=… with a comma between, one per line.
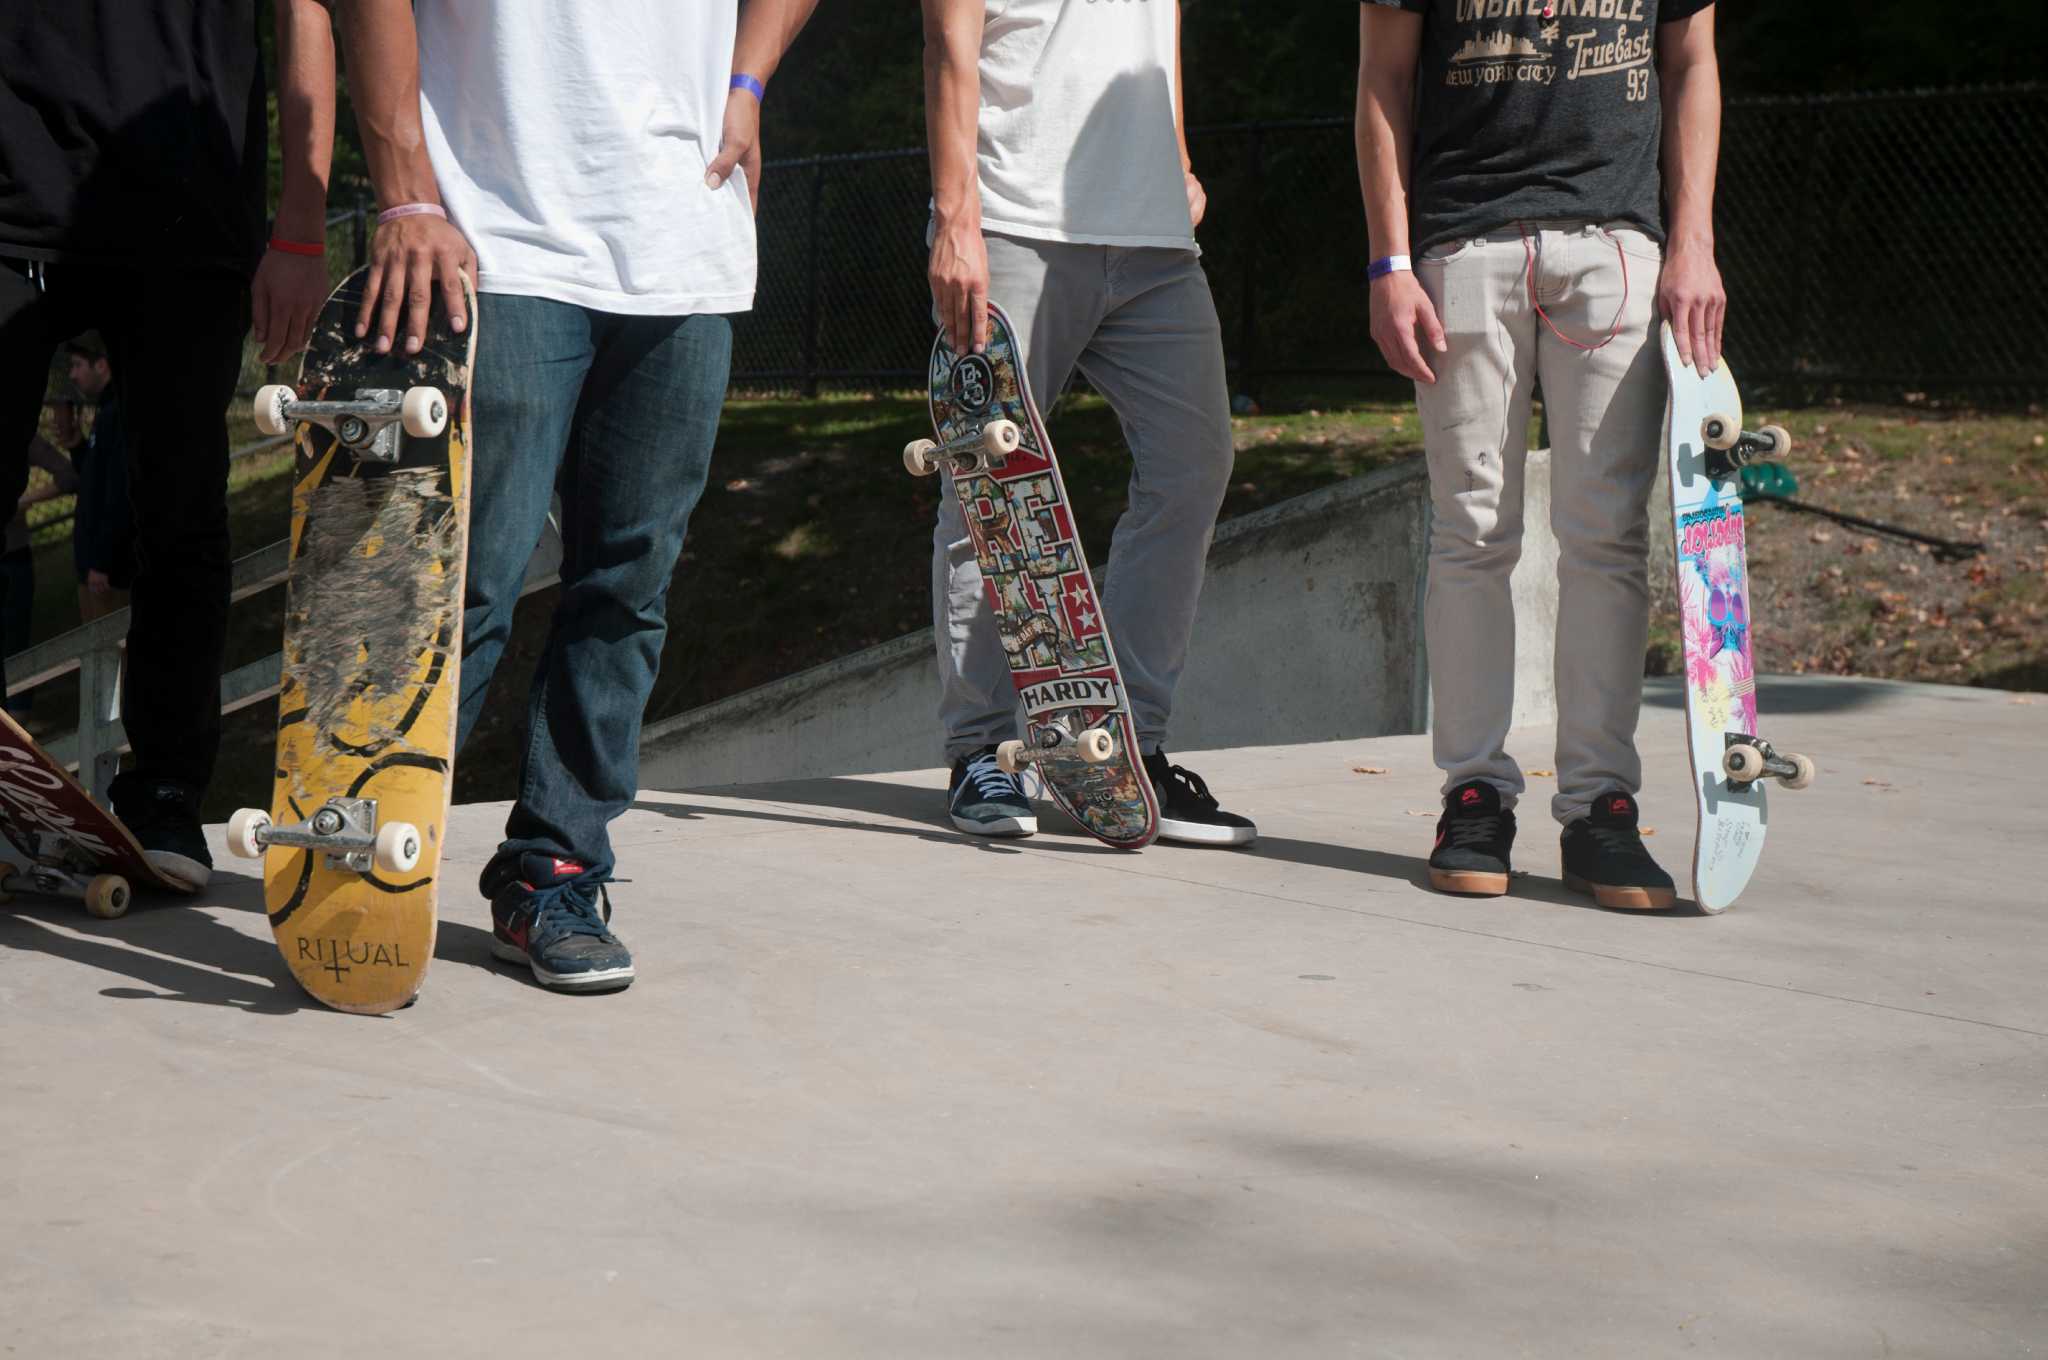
x=1309, y=629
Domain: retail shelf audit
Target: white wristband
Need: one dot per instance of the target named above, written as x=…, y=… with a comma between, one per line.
x=1386, y=265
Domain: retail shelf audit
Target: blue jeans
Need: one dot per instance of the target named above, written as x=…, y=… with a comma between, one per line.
x=619, y=413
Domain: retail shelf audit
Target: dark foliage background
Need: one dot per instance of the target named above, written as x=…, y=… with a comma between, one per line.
x=853, y=81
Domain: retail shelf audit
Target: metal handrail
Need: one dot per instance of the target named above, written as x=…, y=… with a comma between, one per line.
x=95, y=651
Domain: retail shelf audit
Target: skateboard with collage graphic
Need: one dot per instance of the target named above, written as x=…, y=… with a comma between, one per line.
x=1078, y=730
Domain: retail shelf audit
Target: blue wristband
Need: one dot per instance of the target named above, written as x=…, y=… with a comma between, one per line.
x=743, y=81
x=1385, y=265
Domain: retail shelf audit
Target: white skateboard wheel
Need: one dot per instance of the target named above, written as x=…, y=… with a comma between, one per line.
x=1804, y=772
x=1778, y=438
x=245, y=832
x=1720, y=431
x=271, y=408
x=917, y=457
x=1001, y=437
x=1742, y=763
x=107, y=896
x=1097, y=745
x=1010, y=756
x=397, y=849
x=424, y=412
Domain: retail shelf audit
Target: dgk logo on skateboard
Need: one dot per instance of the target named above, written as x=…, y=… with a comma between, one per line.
x=974, y=383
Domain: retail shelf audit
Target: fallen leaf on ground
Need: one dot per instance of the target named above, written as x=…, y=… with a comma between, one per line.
x=1539, y=774
x=1646, y=830
x=1879, y=783
x=1422, y=812
x=1368, y=769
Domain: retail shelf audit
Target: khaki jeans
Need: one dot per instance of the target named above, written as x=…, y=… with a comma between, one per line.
x=1605, y=409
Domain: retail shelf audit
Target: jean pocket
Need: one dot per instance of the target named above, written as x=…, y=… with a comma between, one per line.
x=1632, y=241
x=1443, y=252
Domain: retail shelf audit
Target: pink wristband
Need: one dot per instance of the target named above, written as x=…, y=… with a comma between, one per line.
x=411, y=210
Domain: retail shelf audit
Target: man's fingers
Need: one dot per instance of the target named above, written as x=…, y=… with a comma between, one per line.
x=1412, y=363
x=373, y=283
x=1702, y=348
x=1432, y=328
x=721, y=165
x=451, y=296
x=978, y=304
x=419, y=300
x=390, y=303
x=1679, y=314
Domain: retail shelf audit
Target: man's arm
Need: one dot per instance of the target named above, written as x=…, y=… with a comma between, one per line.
x=289, y=288
x=1689, y=290
x=958, y=271
x=1198, y=197
x=1389, y=46
x=408, y=253
x=767, y=28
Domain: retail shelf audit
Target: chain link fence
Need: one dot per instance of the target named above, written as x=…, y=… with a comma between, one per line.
x=1869, y=243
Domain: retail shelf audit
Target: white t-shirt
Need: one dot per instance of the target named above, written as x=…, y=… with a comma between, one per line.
x=1077, y=133
x=570, y=142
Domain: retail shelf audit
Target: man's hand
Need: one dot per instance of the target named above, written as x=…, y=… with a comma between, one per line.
x=64, y=423
x=407, y=257
x=739, y=144
x=1690, y=295
x=959, y=279
x=97, y=581
x=286, y=299
x=1198, y=199
x=1401, y=311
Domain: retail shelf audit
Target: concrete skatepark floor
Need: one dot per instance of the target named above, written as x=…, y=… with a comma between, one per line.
x=883, y=1091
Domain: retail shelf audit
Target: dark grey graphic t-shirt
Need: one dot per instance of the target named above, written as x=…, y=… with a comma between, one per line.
x=1536, y=109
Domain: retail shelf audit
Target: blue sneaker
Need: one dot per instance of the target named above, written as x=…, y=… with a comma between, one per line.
x=983, y=801
x=552, y=915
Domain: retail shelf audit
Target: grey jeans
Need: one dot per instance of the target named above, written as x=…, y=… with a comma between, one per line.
x=1140, y=325
x=1604, y=402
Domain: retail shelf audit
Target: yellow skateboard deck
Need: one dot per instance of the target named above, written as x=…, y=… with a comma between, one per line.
x=372, y=655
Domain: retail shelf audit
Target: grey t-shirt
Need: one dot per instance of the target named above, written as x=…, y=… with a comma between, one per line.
x=1532, y=110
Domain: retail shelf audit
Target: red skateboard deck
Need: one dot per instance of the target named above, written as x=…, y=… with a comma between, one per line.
x=65, y=844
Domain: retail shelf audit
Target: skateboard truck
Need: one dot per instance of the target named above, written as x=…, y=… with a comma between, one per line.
x=105, y=895
x=986, y=448
x=1748, y=759
x=1732, y=448
x=1093, y=746
x=346, y=828
x=367, y=426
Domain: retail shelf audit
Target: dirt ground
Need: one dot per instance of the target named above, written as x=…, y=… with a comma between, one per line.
x=1839, y=600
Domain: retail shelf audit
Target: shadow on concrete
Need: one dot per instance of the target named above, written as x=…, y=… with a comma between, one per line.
x=1056, y=830
x=177, y=949
x=1802, y=694
x=878, y=798
x=174, y=947
x=1349, y=859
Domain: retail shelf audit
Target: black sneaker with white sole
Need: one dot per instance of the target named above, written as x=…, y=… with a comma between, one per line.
x=163, y=816
x=1188, y=812
x=554, y=916
x=983, y=801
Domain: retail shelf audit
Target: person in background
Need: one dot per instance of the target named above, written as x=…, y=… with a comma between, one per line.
x=133, y=155
x=17, y=557
x=103, y=531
